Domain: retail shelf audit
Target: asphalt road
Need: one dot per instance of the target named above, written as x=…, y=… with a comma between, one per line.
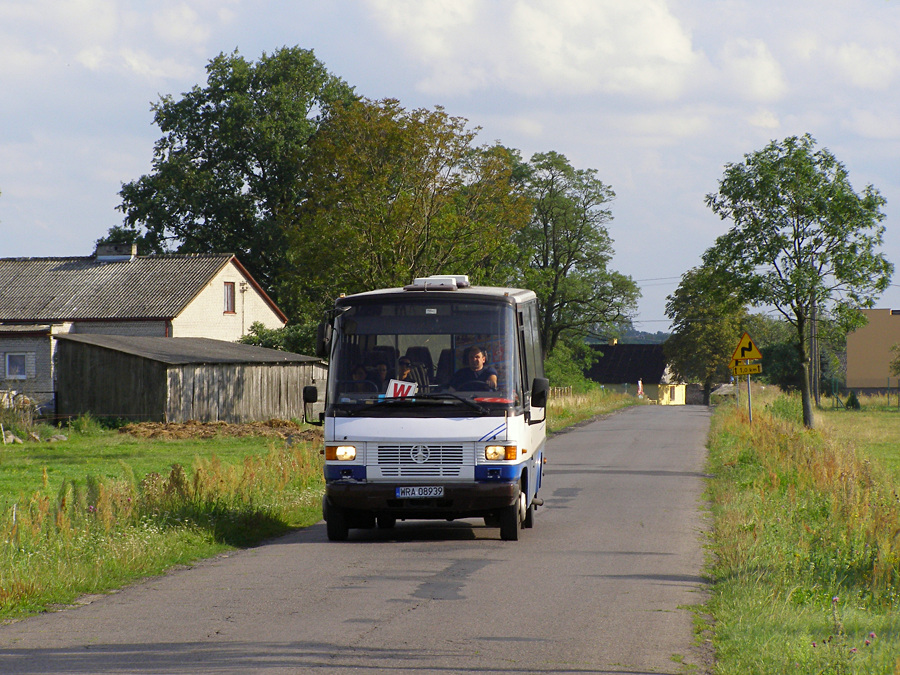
x=600, y=585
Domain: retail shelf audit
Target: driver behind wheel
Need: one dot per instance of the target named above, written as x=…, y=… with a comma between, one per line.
x=475, y=371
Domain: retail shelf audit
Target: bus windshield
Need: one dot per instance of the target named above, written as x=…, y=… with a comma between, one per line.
x=425, y=352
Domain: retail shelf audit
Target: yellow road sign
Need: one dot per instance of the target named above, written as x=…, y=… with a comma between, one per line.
x=751, y=369
x=746, y=350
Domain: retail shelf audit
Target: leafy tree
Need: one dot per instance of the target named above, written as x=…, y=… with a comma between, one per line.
x=803, y=241
x=706, y=326
x=895, y=362
x=227, y=172
x=567, y=364
x=396, y=194
x=782, y=365
x=777, y=340
x=297, y=338
x=566, y=250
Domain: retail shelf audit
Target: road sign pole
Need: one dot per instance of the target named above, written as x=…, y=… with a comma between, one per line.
x=745, y=352
x=749, y=408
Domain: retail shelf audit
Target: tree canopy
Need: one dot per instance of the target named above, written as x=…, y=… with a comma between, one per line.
x=802, y=240
x=395, y=194
x=566, y=251
x=227, y=171
x=706, y=326
x=320, y=191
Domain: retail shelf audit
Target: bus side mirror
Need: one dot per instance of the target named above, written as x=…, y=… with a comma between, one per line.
x=310, y=396
x=540, y=392
x=323, y=340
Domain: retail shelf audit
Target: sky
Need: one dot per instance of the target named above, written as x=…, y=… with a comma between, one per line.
x=657, y=96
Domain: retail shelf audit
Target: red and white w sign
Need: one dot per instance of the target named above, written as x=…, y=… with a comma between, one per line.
x=401, y=389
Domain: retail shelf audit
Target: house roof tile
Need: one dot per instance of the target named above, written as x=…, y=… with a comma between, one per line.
x=84, y=288
x=624, y=363
x=178, y=351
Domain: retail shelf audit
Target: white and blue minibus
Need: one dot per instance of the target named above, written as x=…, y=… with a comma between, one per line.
x=435, y=406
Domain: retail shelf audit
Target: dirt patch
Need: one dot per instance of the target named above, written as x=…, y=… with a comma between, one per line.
x=285, y=429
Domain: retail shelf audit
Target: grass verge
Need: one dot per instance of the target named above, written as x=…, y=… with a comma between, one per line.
x=805, y=549
x=565, y=411
x=76, y=518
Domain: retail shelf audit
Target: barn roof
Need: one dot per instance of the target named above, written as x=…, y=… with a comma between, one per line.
x=51, y=290
x=180, y=351
x=621, y=363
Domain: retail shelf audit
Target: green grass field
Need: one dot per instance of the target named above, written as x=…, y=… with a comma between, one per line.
x=805, y=547
x=32, y=467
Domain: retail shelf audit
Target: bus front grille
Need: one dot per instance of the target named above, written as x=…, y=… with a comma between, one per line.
x=421, y=460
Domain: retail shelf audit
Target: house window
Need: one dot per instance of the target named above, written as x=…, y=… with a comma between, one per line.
x=229, y=297
x=15, y=367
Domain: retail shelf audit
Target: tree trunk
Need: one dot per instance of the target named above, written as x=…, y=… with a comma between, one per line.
x=707, y=391
x=805, y=393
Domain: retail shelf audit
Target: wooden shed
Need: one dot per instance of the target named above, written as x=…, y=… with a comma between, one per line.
x=180, y=379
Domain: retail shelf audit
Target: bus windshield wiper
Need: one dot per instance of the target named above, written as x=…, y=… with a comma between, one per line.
x=448, y=396
x=423, y=398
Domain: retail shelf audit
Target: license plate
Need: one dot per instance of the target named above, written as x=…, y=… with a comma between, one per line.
x=420, y=492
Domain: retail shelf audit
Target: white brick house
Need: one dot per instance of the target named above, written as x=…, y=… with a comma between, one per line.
x=115, y=292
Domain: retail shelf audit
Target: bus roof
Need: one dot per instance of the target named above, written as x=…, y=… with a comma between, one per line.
x=439, y=288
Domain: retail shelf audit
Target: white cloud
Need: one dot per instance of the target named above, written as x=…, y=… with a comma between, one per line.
x=867, y=68
x=84, y=21
x=530, y=127
x=764, y=119
x=107, y=36
x=543, y=46
x=752, y=71
x=433, y=27
x=664, y=128
x=180, y=24
x=874, y=125
x=149, y=66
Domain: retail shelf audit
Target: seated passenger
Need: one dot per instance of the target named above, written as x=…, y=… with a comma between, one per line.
x=475, y=371
x=404, y=372
x=382, y=376
x=360, y=381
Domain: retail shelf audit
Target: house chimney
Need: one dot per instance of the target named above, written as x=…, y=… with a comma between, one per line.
x=115, y=252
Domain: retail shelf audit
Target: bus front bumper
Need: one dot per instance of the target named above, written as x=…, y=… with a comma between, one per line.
x=458, y=501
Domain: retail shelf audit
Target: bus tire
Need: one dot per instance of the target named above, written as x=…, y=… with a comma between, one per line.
x=528, y=521
x=510, y=520
x=336, y=523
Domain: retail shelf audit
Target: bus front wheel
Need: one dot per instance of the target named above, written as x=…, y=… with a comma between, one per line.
x=336, y=523
x=511, y=518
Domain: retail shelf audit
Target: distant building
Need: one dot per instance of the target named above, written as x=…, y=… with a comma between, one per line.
x=116, y=292
x=869, y=352
x=180, y=379
x=621, y=366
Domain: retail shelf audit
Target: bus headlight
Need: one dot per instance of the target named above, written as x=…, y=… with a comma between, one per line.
x=343, y=453
x=496, y=452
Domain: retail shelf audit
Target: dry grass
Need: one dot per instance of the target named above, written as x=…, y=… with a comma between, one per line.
x=97, y=535
x=806, y=545
x=564, y=411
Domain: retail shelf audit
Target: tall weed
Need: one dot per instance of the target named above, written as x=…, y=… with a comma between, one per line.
x=100, y=533
x=575, y=407
x=805, y=525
